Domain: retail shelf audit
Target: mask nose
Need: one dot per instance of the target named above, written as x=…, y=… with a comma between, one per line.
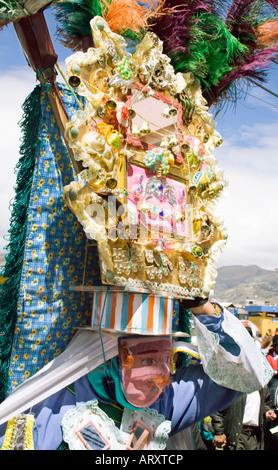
x=164, y=366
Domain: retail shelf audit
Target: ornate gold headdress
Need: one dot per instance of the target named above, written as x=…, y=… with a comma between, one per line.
x=149, y=182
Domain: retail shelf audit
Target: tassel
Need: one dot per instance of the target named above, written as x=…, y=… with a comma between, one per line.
x=110, y=388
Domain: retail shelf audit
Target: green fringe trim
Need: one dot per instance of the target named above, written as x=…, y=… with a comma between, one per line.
x=9, y=291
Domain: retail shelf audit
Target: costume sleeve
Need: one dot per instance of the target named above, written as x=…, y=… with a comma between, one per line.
x=271, y=361
x=229, y=354
x=192, y=397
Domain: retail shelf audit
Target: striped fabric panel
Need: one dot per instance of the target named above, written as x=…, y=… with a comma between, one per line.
x=132, y=312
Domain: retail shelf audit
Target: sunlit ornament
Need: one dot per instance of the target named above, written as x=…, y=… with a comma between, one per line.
x=159, y=245
x=100, y=24
x=111, y=183
x=74, y=81
x=173, y=141
x=145, y=128
x=165, y=113
x=144, y=74
x=111, y=105
x=131, y=113
x=74, y=132
x=72, y=194
x=101, y=111
x=219, y=139
x=102, y=61
x=206, y=291
x=135, y=130
x=184, y=148
x=172, y=111
x=197, y=251
x=76, y=69
x=164, y=143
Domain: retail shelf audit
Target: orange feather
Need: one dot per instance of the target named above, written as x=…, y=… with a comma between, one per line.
x=128, y=14
x=268, y=34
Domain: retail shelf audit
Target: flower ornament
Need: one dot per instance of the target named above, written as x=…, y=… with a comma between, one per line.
x=159, y=159
x=164, y=164
x=122, y=114
x=197, y=146
x=151, y=159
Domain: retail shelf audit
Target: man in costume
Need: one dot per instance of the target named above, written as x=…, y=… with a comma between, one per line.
x=137, y=391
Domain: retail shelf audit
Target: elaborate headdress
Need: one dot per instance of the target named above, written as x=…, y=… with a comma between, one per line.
x=149, y=179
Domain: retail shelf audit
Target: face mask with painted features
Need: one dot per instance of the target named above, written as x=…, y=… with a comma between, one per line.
x=144, y=368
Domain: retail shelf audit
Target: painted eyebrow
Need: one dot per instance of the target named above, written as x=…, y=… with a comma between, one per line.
x=149, y=351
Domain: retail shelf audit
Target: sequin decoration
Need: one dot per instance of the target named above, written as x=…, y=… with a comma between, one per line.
x=19, y=433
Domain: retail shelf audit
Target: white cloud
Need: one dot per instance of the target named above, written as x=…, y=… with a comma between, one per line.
x=250, y=206
x=15, y=86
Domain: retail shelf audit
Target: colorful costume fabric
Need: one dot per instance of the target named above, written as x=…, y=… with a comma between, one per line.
x=190, y=397
x=48, y=308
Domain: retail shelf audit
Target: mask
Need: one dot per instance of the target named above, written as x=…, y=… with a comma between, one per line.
x=144, y=368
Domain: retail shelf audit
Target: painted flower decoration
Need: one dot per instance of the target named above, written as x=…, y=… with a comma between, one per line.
x=158, y=158
x=122, y=114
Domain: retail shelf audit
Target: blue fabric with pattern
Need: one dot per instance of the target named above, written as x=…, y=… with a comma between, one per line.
x=48, y=307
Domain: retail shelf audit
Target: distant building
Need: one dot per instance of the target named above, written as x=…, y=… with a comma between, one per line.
x=265, y=317
x=230, y=306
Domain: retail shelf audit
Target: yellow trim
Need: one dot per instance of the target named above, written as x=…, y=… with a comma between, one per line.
x=11, y=433
x=184, y=350
x=29, y=432
x=8, y=435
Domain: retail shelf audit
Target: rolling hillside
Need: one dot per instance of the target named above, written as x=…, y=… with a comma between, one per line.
x=238, y=283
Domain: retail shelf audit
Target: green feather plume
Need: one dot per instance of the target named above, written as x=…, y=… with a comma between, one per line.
x=212, y=50
x=74, y=19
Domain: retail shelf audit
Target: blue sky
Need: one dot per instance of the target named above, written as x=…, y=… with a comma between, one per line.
x=248, y=157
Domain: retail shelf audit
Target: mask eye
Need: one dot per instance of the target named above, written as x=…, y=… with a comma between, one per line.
x=148, y=361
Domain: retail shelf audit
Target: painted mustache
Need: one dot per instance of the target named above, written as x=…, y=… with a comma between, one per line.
x=159, y=382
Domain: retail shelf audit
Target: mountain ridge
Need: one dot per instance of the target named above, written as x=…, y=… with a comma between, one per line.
x=238, y=284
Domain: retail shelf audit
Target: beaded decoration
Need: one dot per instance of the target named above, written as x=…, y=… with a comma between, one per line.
x=19, y=433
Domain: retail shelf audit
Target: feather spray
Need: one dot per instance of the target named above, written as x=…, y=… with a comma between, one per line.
x=222, y=43
x=126, y=17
